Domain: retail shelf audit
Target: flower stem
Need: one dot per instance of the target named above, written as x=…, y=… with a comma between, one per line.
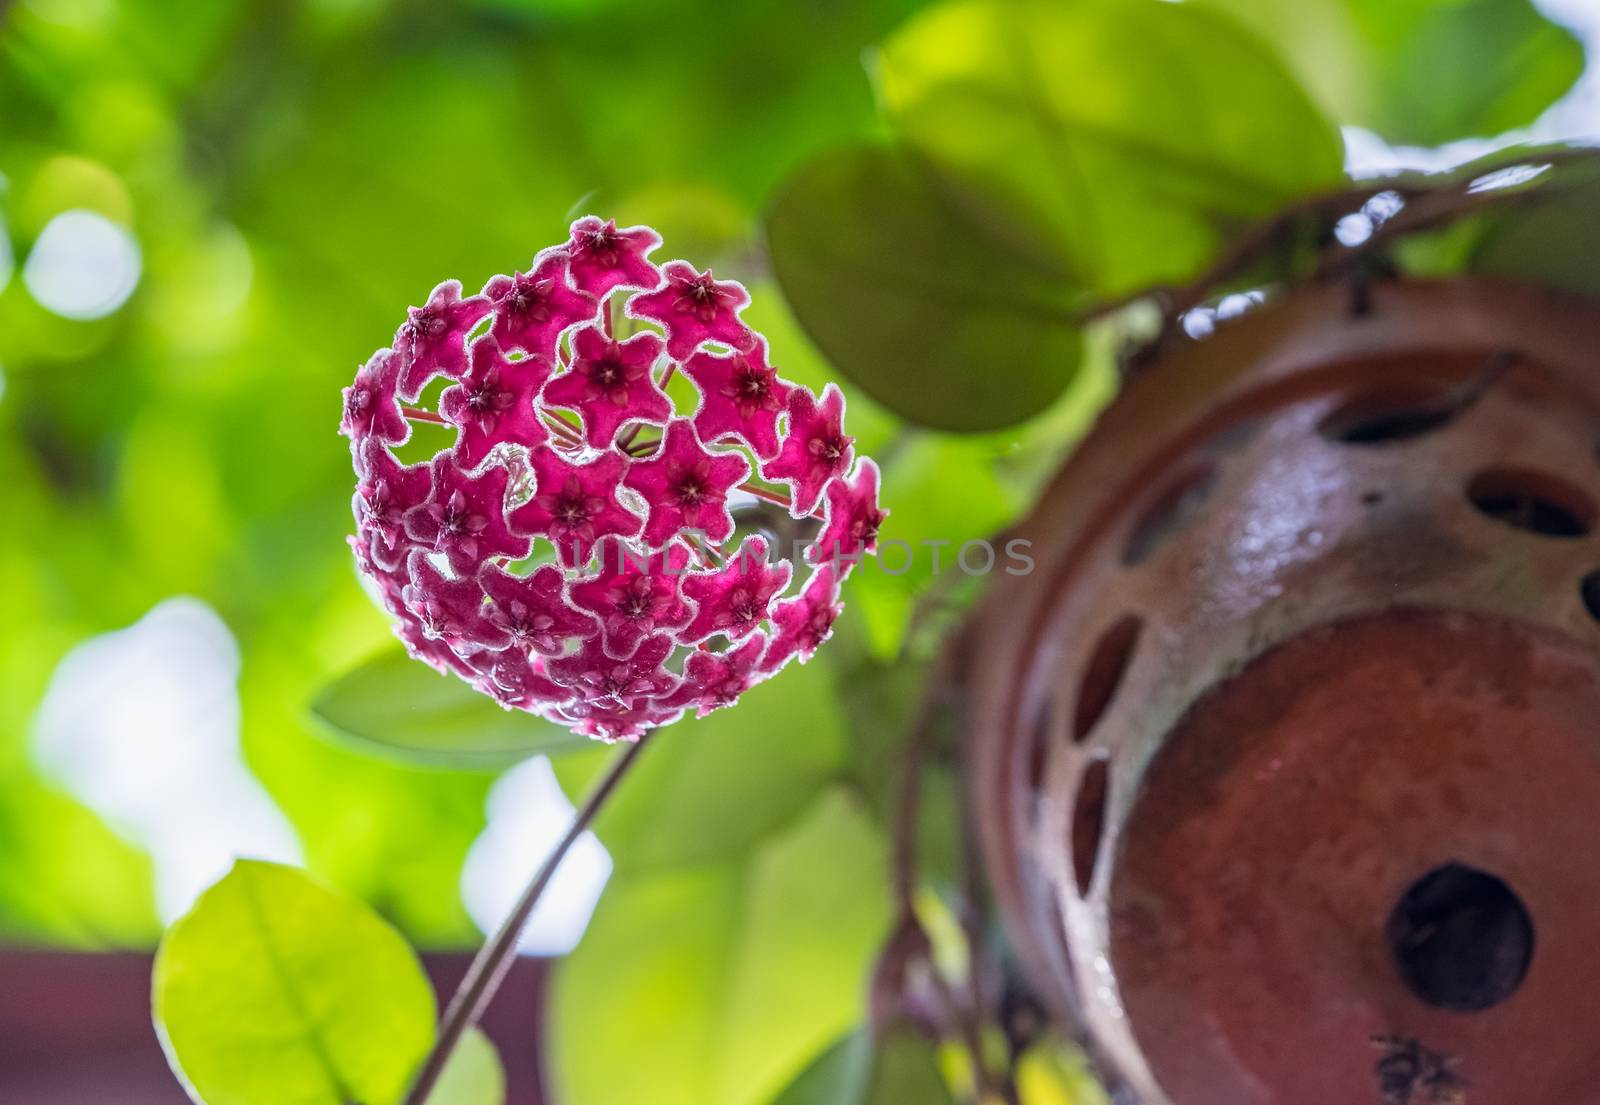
x=562, y=428
x=763, y=493
x=494, y=959
x=417, y=414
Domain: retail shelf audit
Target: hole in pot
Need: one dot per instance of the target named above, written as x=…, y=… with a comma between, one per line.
x=1088, y=821
x=1103, y=675
x=1039, y=748
x=1175, y=508
x=1461, y=938
x=1589, y=588
x=1395, y=414
x=1534, y=501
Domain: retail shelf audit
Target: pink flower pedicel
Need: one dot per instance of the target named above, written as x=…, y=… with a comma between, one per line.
x=571, y=553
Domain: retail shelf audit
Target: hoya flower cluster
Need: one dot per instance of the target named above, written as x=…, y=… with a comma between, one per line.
x=572, y=554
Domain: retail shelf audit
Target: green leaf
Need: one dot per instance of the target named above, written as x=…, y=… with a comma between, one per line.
x=472, y=1076
x=1123, y=136
x=1553, y=240
x=718, y=981
x=899, y=1069
x=912, y=302
x=401, y=706
x=1419, y=71
x=1053, y=1073
x=274, y=990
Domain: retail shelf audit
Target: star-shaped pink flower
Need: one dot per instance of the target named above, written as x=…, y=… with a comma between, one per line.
x=450, y=610
x=465, y=517
x=610, y=721
x=575, y=505
x=815, y=451
x=386, y=491
x=433, y=339
x=805, y=621
x=741, y=396
x=531, y=309
x=853, y=518
x=390, y=583
x=493, y=403
x=686, y=486
x=695, y=308
x=605, y=680
x=609, y=383
x=735, y=598
x=532, y=610
x=430, y=650
x=635, y=596
x=712, y=681
x=515, y=681
x=604, y=258
x=370, y=407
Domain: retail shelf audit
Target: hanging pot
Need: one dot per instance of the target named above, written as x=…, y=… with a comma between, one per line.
x=1286, y=756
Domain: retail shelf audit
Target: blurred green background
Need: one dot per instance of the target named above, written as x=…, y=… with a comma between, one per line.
x=211, y=212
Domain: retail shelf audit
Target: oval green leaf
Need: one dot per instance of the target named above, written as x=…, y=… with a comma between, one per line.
x=899, y=1068
x=274, y=990
x=1420, y=72
x=1125, y=137
x=400, y=706
x=719, y=981
x=472, y=1075
x=935, y=320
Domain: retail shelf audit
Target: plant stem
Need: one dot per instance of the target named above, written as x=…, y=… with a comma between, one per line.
x=494, y=959
x=417, y=414
x=763, y=493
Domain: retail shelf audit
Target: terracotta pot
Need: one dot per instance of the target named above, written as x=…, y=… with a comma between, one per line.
x=1292, y=738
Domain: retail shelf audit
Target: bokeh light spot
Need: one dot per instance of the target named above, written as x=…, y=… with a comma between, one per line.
x=142, y=726
x=83, y=266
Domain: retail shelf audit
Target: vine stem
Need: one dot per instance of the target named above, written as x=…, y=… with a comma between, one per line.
x=494, y=959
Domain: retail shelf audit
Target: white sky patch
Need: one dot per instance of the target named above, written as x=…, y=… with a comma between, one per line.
x=528, y=813
x=1576, y=116
x=82, y=266
x=142, y=726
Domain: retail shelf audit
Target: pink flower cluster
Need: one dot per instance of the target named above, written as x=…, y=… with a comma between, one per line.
x=569, y=554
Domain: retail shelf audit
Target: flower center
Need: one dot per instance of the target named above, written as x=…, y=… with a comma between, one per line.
x=529, y=299
x=636, y=605
x=744, y=606
x=607, y=370
x=378, y=505
x=690, y=491
x=428, y=323
x=828, y=447
x=602, y=245
x=483, y=397
x=572, y=509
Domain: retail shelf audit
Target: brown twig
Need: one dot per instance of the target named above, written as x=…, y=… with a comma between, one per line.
x=1429, y=202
